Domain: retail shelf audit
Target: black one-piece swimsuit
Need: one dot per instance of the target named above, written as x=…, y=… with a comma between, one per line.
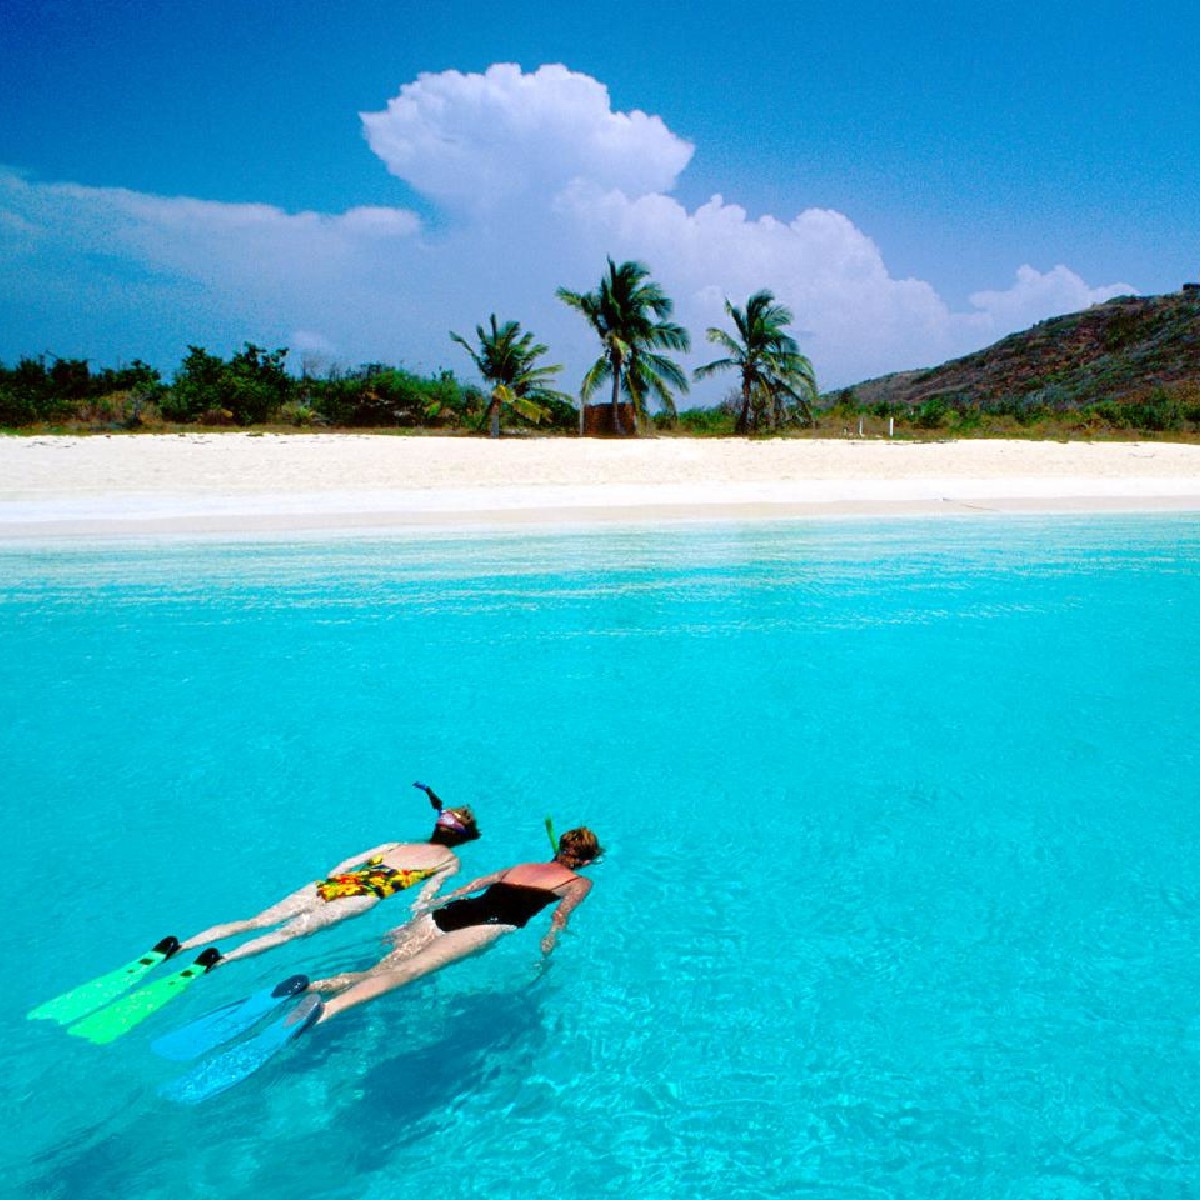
x=501, y=904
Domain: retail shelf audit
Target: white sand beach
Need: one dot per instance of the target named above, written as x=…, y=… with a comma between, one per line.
x=236, y=483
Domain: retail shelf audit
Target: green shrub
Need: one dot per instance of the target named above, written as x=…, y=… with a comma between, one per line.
x=250, y=386
x=933, y=413
x=844, y=405
x=1159, y=414
x=299, y=413
x=717, y=421
x=1111, y=413
x=969, y=418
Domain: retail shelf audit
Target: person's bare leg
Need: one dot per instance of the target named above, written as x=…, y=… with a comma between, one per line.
x=408, y=940
x=449, y=948
x=299, y=902
x=306, y=924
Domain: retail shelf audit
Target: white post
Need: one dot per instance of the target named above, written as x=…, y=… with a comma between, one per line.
x=860, y=426
x=891, y=426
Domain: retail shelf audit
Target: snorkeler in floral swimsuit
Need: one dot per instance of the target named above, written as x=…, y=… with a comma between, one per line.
x=355, y=885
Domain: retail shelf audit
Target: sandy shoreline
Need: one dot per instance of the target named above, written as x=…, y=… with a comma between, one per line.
x=264, y=483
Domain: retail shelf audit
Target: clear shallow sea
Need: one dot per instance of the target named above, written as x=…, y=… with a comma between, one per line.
x=902, y=896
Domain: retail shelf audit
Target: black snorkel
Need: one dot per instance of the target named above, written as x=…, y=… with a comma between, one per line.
x=434, y=799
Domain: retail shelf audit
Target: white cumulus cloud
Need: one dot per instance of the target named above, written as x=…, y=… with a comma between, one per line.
x=481, y=140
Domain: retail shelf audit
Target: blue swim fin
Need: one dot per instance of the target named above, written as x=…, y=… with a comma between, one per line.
x=224, y=1024
x=218, y=1074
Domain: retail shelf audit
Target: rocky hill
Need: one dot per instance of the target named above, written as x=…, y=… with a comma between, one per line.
x=1126, y=350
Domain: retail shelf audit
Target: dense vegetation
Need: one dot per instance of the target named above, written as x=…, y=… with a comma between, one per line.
x=251, y=388
x=1160, y=408
x=1132, y=364
x=1128, y=367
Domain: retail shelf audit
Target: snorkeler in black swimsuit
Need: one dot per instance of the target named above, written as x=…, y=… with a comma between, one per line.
x=470, y=919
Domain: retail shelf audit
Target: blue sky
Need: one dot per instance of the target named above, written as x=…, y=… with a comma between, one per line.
x=914, y=182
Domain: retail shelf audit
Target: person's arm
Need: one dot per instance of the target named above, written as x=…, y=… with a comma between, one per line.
x=572, y=898
x=435, y=882
x=347, y=863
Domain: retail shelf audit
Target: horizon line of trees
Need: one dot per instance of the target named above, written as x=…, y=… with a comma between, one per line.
x=209, y=391
x=632, y=319
x=629, y=313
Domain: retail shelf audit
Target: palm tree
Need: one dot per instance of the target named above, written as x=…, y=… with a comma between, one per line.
x=507, y=359
x=630, y=314
x=778, y=382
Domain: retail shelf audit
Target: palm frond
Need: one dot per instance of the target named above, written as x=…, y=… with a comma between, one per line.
x=599, y=372
x=457, y=337
x=719, y=337
x=529, y=409
x=715, y=368
x=667, y=335
x=658, y=366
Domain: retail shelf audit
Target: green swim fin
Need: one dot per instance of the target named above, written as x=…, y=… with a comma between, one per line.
x=121, y=1016
x=96, y=993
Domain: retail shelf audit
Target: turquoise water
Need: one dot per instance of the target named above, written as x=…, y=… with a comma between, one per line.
x=902, y=896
